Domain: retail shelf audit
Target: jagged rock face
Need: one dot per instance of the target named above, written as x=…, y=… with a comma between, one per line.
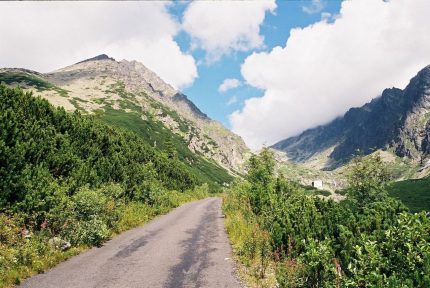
x=426, y=140
x=397, y=120
x=412, y=140
x=99, y=57
x=92, y=83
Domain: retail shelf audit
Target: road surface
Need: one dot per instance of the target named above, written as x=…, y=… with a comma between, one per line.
x=186, y=248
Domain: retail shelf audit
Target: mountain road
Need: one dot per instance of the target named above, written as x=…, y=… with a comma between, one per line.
x=186, y=248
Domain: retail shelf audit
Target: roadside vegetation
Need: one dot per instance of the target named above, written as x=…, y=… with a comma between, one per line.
x=284, y=237
x=69, y=182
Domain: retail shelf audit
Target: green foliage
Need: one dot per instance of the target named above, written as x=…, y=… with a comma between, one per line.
x=170, y=149
x=250, y=243
x=88, y=204
x=67, y=178
x=154, y=134
x=315, y=259
x=134, y=214
x=367, y=179
x=414, y=193
x=310, y=190
x=367, y=240
x=20, y=256
x=260, y=176
x=44, y=148
x=92, y=232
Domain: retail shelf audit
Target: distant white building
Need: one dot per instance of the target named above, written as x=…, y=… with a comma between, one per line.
x=317, y=184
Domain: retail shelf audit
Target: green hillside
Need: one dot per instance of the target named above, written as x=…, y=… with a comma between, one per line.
x=29, y=80
x=40, y=141
x=129, y=116
x=414, y=193
x=69, y=181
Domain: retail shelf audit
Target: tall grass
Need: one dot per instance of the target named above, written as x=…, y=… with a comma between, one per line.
x=251, y=244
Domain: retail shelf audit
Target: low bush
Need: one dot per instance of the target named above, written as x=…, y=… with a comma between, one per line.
x=367, y=240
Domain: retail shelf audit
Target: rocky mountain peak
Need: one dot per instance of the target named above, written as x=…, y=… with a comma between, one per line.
x=141, y=73
x=425, y=72
x=397, y=121
x=98, y=58
x=134, y=75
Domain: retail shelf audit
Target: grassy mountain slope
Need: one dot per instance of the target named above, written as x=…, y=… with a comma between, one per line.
x=159, y=137
x=98, y=87
x=414, y=193
x=93, y=80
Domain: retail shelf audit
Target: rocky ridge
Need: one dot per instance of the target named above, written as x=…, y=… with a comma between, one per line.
x=398, y=122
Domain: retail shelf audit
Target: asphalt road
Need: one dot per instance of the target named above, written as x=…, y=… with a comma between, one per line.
x=186, y=248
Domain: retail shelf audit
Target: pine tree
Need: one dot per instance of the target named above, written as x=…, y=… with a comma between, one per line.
x=171, y=149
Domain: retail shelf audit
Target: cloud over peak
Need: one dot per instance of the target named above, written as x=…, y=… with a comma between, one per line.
x=49, y=35
x=326, y=68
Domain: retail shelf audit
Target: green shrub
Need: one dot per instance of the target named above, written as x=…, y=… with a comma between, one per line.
x=88, y=204
x=9, y=231
x=92, y=232
x=367, y=240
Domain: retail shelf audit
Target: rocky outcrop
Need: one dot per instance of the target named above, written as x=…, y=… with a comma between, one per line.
x=99, y=57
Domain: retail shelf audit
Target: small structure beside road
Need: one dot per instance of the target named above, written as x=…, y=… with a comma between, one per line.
x=317, y=184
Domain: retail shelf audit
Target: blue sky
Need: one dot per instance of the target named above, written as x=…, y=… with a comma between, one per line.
x=275, y=29
x=299, y=63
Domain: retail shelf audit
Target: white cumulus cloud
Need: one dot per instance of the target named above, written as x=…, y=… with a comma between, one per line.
x=222, y=27
x=326, y=68
x=45, y=36
x=229, y=83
